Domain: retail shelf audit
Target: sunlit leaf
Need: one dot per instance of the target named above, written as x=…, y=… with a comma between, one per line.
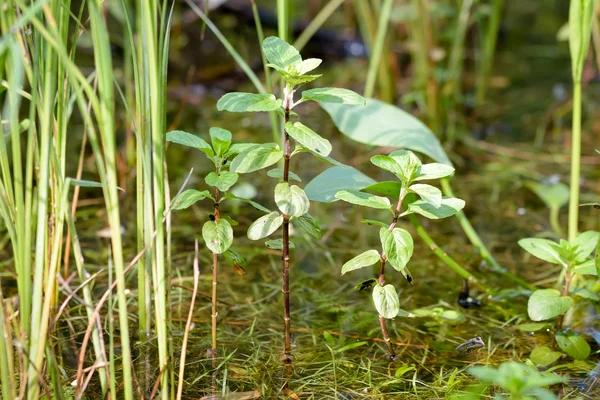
x=585, y=244
x=333, y=95
x=280, y=53
x=364, y=259
x=434, y=171
x=223, y=181
x=364, y=199
x=291, y=200
x=544, y=356
x=218, y=235
x=189, y=140
x=428, y=193
x=307, y=65
x=308, y=138
x=387, y=163
x=386, y=300
x=248, y=102
x=573, y=344
x=278, y=173
x=449, y=207
x=543, y=249
x=265, y=225
x=188, y=197
x=398, y=246
x=220, y=139
x=256, y=157
x=546, y=304
x=324, y=187
x=409, y=163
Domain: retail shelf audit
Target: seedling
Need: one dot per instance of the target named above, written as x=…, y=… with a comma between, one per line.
x=217, y=232
x=545, y=304
x=291, y=200
x=397, y=243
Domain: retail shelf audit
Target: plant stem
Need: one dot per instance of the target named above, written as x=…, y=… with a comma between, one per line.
x=575, y=162
x=286, y=357
x=384, y=19
x=565, y=292
x=214, y=282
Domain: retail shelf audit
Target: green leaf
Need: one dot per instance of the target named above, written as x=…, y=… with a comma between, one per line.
x=428, y=193
x=449, y=207
x=554, y=196
x=237, y=148
x=220, y=139
x=532, y=326
x=299, y=149
x=543, y=249
x=375, y=222
x=588, y=267
x=382, y=124
x=434, y=171
x=308, y=138
x=278, y=173
x=324, y=187
x=256, y=157
x=254, y=204
x=235, y=257
x=388, y=188
x=546, y=304
x=307, y=65
x=218, y=235
x=365, y=259
x=277, y=244
x=248, y=102
x=544, y=356
x=91, y=184
x=387, y=163
x=295, y=79
x=386, y=301
x=398, y=246
x=573, y=344
x=309, y=224
x=223, y=181
x=291, y=200
x=189, y=140
x=409, y=163
x=586, y=242
x=364, y=199
x=280, y=53
x=265, y=225
x=189, y=197
x=580, y=27
x=333, y=95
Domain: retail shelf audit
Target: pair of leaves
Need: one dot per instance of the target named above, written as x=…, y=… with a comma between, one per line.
x=563, y=253
x=408, y=168
x=220, y=142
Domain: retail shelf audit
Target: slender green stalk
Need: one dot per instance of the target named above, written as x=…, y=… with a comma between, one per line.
x=489, y=47
x=283, y=19
x=384, y=18
x=318, y=21
x=575, y=162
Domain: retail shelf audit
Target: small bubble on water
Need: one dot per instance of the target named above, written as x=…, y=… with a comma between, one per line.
x=521, y=211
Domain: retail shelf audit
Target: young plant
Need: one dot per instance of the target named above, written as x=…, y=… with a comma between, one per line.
x=217, y=232
x=397, y=243
x=291, y=200
x=545, y=304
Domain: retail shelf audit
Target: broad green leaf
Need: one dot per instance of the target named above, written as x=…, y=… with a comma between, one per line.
x=189, y=140
x=217, y=235
x=588, y=267
x=554, y=196
x=333, y=95
x=324, y=187
x=543, y=249
x=364, y=199
x=220, y=139
x=544, y=356
x=434, y=171
x=586, y=242
x=387, y=163
x=309, y=224
x=409, y=163
x=382, y=124
x=280, y=53
x=291, y=200
x=256, y=157
x=428, y=193
x=307, y=65
x=254, y=204
x=365, y=259
x=308, y=138
x=398, y=246
x=388, y=188
x=449, y=207
x=223, y=181
x=237, y=148
x=573, y=344
x=265, y=225
x=546, y=304
x=278, y=173
x=189, y=197
x=277, y=244
x=580, y=27
x=248, y=102
x=386, y=301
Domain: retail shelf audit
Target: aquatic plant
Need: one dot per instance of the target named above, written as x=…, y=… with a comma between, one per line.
x=291, y=200
x=217, y=232
x=397, y=243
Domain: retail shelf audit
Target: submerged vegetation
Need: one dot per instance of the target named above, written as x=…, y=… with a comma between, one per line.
x=95, y=242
